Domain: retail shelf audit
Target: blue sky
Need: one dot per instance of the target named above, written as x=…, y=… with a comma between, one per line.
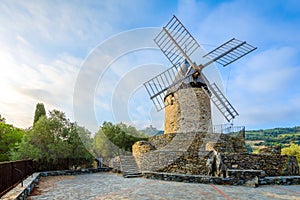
x=47, y=45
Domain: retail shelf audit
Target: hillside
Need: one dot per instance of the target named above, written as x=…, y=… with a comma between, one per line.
x=273, y=137
x=151, y=131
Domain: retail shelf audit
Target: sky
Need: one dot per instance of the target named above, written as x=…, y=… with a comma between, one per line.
x=90, y=59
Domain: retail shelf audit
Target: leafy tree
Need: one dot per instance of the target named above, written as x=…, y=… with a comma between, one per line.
x=39, y=111
x=293, y=150
x=54, y=138
x=9, y=138
x=112, y=140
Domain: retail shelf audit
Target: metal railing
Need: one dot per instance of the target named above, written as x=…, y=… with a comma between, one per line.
x=228, y=129
x=12, y=173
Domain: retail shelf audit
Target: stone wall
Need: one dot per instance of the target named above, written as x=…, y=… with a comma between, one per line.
x=220, y=142
x=225, y=143
x=184, y=151
x=187, y=153
x=277, y=180
x=160, y=141
x=167, y=152
x=270, y=150
x=273, y=165
x=142, y=147
x=189, y=111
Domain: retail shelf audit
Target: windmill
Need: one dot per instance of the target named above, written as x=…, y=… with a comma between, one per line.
x=175, y=88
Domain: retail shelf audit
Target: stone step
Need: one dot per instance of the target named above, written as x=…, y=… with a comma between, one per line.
x=129, y=167
x=132, y=175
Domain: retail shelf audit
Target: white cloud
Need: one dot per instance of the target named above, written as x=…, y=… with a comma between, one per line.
x=24, y=86
x=267, y=72
x=42, y=46
x=264, y=88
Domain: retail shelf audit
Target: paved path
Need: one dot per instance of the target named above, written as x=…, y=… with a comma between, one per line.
x=112, y=186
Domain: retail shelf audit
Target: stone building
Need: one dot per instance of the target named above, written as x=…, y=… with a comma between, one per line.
x=188, y=106
x=190, y=111
x=189, y=138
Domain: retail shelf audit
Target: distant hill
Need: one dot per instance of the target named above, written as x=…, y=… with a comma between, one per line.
x=258, y=139
x=151, y=131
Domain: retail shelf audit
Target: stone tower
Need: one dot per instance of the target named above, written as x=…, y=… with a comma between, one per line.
x=189, y=109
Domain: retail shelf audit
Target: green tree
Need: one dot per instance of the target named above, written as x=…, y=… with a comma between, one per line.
x=39, y=112
x=293, y=150
x=54, y=138
x=10, y=136
x=112, y=140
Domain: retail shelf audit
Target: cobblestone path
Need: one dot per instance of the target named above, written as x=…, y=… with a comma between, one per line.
x=112, y=186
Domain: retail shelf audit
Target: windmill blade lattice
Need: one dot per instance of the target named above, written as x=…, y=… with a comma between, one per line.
x=165, y=83
x=176, y=42
x=229, y=52
x=220, y=101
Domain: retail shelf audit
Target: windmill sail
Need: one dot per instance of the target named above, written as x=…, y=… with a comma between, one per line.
x=229, y=52
x=176, y=42
x=221, y=102
x=219, y=99
x=165, y=83
x=178, y=45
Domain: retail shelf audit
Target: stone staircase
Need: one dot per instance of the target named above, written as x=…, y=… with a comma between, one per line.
x=129, y=167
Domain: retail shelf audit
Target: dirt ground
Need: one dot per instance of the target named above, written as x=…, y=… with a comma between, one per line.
x=47, y=182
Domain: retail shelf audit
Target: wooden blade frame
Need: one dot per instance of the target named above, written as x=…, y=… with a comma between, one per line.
x=229, y=52
x=165, y=83
x=219, y=99
x=176, y=42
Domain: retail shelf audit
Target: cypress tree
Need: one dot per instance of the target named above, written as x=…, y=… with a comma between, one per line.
x=39, y=111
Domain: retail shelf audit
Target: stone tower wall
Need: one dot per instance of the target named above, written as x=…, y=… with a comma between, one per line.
x=190, y=111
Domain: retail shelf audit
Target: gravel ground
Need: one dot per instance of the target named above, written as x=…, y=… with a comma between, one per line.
x=112, y=186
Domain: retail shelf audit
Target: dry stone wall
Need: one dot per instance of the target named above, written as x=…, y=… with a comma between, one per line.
x=161, y=140
x=186, y=153
x=182, y=151
x=273, y=165
x=142, y=147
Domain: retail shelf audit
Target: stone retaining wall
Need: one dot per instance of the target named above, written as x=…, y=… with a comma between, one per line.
x=161, y=140
x=273, y=165
x=278, y=180
x=142, y=147
x=220, y=142
x=187, y=153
